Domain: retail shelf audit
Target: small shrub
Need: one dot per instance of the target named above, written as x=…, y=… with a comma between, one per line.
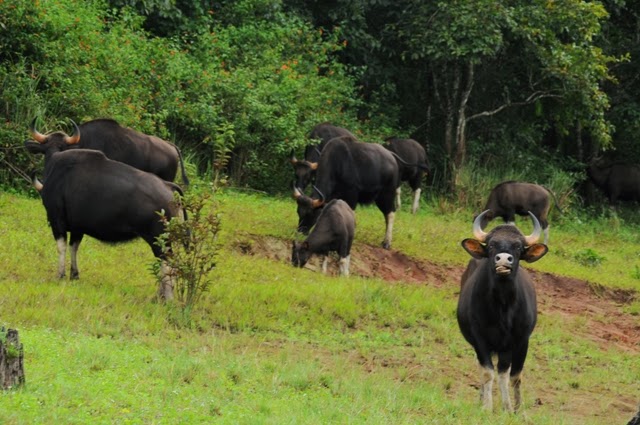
x=190, y=248
x=588, y=257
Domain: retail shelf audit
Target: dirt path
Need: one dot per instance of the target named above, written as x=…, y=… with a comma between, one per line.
x=607, y=324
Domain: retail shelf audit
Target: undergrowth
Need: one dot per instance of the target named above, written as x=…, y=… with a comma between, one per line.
x=270, y=343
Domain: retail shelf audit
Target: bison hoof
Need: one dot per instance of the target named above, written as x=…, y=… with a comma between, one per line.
x=75, y=276
x=386, y=245
x=61, y=275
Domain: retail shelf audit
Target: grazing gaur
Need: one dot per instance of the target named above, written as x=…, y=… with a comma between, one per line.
x=619, y=181
x=305, y=169
x=511, y=197
x=358, y=173
x=144, y=152
x=497, y=308
x=412, y=163
x=333, y=231
x=84, y=192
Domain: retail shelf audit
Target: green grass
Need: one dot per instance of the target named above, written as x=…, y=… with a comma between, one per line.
x=277, y=345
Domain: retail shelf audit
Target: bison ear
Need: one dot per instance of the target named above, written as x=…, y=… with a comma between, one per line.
x=305, y=245
x=474, y=248
x=34, y=147
x=535, y=252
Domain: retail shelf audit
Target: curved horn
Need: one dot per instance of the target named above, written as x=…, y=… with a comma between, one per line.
x=75, y=137
x=478, y=233
x=37, y=136
x=36, y=183
x=317, y=203
x=537, y=230
x=296, y=192
x=292, y=158
x=319, y=192
x=313, y=165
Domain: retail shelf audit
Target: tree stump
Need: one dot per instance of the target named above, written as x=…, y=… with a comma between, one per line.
x=11, y=360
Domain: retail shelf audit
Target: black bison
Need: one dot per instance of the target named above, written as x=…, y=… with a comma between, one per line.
x=85, y=193
x=144, y=152
x=511, y=197
x=358, y=173
x=333, y=232
x=619, y=181
x=305, y=169
x=412, y=165
x=497, y=308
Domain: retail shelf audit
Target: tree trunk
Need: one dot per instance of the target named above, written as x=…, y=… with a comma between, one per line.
x=11, y=360
x=447, y=93
x=580, y=153
x=461, y=140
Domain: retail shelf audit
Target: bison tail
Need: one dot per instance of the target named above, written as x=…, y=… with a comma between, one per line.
x=555, y=200
x=178, y=189
x=185, y=179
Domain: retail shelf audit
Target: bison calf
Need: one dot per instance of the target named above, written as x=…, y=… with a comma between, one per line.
x=333, y=231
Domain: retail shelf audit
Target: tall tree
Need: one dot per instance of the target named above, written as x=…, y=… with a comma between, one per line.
x=621, y=37
x=464, y=65
x=537, y=49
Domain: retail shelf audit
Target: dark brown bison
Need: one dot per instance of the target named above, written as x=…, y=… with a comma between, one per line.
x=305, y=169
x=511, y=197
x=619, y=181
x=85, y=193
x=412, y=165
x=356, y=172
x=497, y=308
x=333, y=232
x=142, y=151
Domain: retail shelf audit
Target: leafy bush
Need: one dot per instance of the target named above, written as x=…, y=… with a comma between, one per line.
x=190, y=248
x=588, y=257
x=258, y=84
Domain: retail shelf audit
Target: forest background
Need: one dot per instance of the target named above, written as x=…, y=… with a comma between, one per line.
x=534, y=89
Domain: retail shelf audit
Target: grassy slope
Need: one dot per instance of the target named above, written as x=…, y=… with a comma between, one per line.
x=273, y=344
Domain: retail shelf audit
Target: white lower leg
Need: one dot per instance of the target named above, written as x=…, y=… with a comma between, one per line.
x=62, y=252
x=398, y=197
x=344, y=266
x=486, y=387
x=166, y=282
x=74, y=260
x=517, y=395
x=503, y=381
x=416, y=200
x=325, y=263
x=388, y=235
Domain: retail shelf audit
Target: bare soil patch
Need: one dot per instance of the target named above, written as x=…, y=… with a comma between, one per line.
x=602, y=308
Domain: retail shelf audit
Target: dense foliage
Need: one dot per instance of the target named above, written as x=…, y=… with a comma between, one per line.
x=542, y=86
x=253, y=87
